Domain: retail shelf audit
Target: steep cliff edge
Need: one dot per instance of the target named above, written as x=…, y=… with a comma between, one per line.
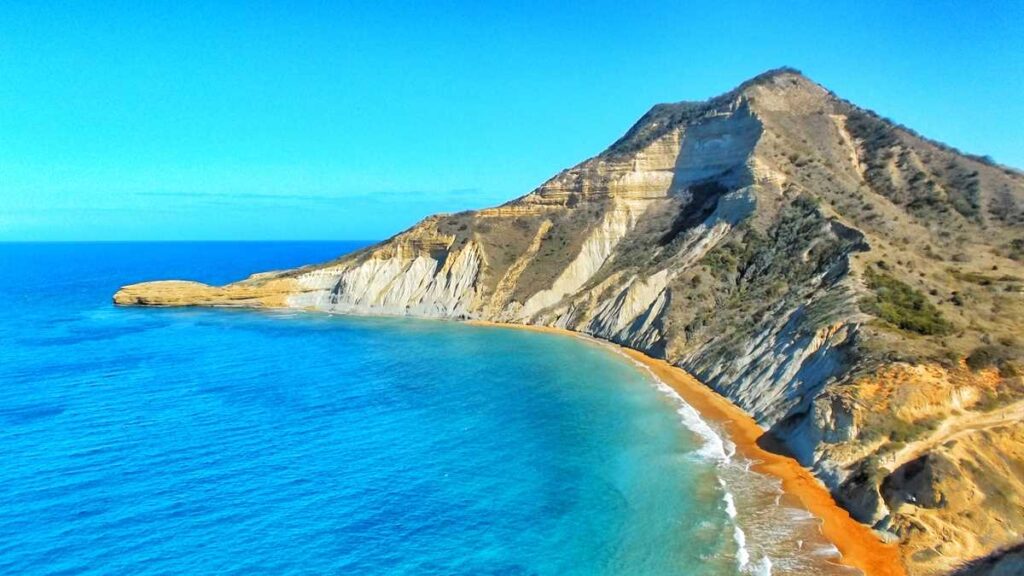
x=854, y=286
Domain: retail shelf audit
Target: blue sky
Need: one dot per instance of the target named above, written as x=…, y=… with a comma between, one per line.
x=335, y=120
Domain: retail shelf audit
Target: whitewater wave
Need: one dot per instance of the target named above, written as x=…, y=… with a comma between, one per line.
x=738, y=535
x=730, y=504
x=742, y=554
x=764, y=567
x=827, y=550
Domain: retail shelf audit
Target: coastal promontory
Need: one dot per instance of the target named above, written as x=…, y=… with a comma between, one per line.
x=855, y=287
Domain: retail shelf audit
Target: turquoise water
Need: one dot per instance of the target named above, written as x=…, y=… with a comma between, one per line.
x=142, y=441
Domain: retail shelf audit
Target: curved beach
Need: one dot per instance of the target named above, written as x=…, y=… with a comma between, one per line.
x=859, y=546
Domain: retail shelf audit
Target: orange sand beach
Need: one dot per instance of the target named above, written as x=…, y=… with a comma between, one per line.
x=860, y=547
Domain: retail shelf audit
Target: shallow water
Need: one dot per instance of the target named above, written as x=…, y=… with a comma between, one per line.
x=140, y=441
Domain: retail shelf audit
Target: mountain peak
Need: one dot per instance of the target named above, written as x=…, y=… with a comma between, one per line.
x=783, y=77
x=783, y=87
x=782, y=72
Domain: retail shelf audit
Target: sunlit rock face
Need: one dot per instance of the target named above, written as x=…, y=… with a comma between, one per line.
x=823, y=268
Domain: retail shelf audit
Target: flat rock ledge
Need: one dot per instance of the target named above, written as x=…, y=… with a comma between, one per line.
x=272, y=293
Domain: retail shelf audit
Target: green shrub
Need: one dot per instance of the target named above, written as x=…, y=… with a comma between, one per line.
x=1004, y=356
x=903, y=306
x=1017, y=249
x=721, y=260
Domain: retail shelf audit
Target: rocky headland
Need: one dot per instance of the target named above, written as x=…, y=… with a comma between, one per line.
x=856, y=288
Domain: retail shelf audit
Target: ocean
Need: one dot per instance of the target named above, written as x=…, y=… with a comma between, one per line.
x=172, y=441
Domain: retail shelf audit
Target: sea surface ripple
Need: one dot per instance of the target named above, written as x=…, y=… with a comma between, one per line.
x=140, y=441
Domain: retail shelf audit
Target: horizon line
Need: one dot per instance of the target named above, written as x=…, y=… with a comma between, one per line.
x=185, y=241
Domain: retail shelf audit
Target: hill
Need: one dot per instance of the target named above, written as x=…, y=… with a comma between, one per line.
x=857, y=288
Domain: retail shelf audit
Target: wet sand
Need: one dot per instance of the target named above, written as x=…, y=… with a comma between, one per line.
x=858, y=544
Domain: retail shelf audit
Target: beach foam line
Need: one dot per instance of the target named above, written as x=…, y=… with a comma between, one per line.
x=742, y=554
x=738, y=535
x=858, y=545
x=730, y=502
x=717, y=449
x=713, y=446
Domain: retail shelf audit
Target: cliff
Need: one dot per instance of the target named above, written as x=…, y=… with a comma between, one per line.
x=855, y=287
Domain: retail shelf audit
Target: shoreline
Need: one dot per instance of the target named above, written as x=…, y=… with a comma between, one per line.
x=858, y=545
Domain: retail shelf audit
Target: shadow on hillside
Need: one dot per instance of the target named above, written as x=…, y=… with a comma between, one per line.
x=1005, y=562
x=770, y=443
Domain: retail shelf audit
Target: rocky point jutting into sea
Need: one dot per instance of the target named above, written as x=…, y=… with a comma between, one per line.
x=852, y=285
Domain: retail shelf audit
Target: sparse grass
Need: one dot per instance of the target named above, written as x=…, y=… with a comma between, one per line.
x=984, y=279
x=898, y=431
x=903, y=431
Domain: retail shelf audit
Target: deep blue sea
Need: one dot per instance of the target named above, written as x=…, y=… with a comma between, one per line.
x=192, y=441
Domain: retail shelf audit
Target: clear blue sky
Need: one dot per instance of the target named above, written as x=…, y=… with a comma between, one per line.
x=336, y=120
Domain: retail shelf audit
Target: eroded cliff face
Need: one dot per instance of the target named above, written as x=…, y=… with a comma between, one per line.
x=822, y=268
x=932, y=454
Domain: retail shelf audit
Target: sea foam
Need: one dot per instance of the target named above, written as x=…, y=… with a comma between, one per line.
x=713, y=447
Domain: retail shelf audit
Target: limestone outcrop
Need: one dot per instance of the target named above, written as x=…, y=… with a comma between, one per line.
x=255, y=292
x=855, y=287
